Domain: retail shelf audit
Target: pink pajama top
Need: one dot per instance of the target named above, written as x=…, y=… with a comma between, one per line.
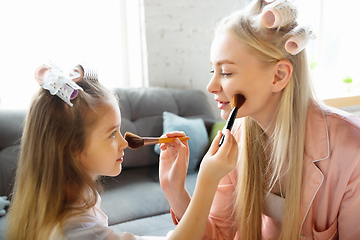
x=330, y=201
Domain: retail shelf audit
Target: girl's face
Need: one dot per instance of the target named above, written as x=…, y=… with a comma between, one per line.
x=105, y=148
x=236, y=70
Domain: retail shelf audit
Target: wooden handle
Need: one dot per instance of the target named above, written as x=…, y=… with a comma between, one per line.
x=171, y=139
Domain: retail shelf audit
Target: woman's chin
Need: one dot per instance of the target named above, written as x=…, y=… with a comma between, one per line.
x=224, y=114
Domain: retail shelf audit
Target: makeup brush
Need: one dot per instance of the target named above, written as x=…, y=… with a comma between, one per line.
x=236, y=102
x=136, y=141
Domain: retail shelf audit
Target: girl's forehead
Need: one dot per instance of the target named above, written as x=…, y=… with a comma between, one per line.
x=107, y=119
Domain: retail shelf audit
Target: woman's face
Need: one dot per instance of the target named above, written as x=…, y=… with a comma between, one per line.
x=237, y=70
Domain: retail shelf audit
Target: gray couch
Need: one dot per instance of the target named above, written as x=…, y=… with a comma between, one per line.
x=133, y=200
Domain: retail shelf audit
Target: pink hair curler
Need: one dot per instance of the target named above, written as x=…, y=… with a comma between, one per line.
x=278, y=14
x=299, y=39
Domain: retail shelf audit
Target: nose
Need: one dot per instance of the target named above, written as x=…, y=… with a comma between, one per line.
x=214, y=84
x=122, y=143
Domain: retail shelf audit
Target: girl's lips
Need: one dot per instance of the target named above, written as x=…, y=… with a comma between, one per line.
x=120, y=159
x=222, y=105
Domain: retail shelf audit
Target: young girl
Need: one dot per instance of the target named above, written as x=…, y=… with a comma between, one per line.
x=298, y=175
x=72, y=136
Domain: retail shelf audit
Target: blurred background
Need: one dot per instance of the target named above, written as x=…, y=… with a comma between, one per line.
x=136, y=43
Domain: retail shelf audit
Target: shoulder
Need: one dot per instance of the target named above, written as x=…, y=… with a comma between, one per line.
x=341, y=118
x=334, y=124
x=331, y=134
x=343, y=128
x=339, y=139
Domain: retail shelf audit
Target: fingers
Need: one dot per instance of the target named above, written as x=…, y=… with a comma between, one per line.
x=2, y=212
x=164, y=146
x=5, y=201
x=175, y=134
x=181, y=148
x=229, y=149
x=219, y=161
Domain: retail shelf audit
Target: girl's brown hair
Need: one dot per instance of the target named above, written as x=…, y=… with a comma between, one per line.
x=50, y=184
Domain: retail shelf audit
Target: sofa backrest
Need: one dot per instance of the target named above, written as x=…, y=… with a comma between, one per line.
x=142, y=113
x=141, y=110
x=11, y=127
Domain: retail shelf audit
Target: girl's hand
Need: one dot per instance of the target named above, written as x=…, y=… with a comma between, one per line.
x=219, y=161
x=174, y=162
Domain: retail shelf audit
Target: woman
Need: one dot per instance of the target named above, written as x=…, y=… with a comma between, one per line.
x=298, y=172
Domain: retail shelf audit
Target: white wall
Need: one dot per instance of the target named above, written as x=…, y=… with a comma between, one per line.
x=178, y=40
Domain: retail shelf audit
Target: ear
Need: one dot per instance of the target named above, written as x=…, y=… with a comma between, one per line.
x=283, y=71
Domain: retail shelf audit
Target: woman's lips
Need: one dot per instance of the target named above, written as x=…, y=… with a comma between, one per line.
x=120, y=159
x=222, y=105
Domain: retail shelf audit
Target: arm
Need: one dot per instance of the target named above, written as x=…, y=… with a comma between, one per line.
x=215, y=165
x=174, y=161
x=349, y=217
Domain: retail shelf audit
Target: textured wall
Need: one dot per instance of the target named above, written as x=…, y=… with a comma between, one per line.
x=178, y=39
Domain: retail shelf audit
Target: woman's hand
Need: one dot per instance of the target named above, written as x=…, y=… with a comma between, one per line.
x=174, y=162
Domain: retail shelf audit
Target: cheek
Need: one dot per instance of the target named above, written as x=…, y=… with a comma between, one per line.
x=86, y=161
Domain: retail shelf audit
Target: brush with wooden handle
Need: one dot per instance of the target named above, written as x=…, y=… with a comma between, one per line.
x=136, y=141
x=236, y=102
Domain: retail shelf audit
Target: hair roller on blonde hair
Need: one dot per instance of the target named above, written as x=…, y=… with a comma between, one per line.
x=279, y=14
x=287, y=141
x=299, y=38
x=50, y=184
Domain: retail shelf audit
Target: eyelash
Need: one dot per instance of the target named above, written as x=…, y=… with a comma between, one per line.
x=223, y=74
x=112, y=135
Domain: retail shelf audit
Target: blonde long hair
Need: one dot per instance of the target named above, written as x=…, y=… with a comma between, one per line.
x=287, y=140
x=50, y=185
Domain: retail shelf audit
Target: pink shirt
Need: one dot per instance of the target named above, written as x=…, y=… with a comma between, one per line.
x=330, y=202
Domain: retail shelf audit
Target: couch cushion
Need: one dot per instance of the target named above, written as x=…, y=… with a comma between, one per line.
x=2, y=226
x=8, y=163
x=141, y=114
x=195, y=129
x=136, y=194
x=159, y=225
x=218, y=126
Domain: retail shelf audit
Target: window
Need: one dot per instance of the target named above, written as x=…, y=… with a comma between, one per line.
x=68, y=32
x=334, y=53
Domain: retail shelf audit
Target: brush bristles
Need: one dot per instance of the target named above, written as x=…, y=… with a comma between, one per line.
x=134, y=140
x=237, y=101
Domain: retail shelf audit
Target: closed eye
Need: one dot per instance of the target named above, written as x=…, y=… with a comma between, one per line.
x=226, y=74
x=222, y=74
